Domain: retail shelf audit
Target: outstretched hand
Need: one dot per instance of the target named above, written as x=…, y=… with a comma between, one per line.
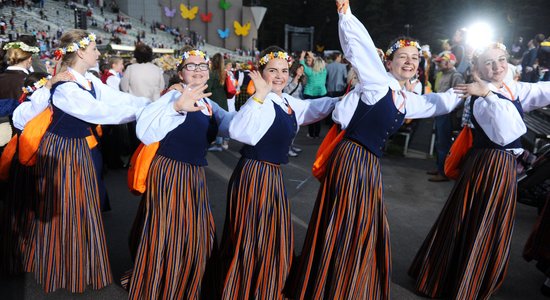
x=188, y=100
x=476, y=88
x=262, y=87
x=342, y=6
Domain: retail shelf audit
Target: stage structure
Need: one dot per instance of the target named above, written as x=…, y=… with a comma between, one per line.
x=299, y=38
x=222, y=23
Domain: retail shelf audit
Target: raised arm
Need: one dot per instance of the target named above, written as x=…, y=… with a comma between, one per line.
x=360, y=51
x=533, y=95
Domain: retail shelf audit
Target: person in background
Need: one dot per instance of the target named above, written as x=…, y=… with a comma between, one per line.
x=294, y=88
x=315, y=87
x=336, y=76
x=18, y=56
x=446, y=78
x=113, y=75
x=216, y=86
x=141, y=79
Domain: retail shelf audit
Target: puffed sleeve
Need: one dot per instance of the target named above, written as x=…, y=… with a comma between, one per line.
x=27, y=110
x=252, y=121
x=223, y=118
x=312, y=110
x=499, y=119
x=360, y=51
x=533, y=95
x=108, y=94
x=158, y=118
x=75, y=101
x=430, y=105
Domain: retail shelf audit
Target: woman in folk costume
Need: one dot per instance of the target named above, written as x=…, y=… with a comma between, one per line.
x=257, y=244
x=70, y=250
x=175, y=225
x=465, y=255
x=18, y=56
x=346, y=254
x=16, y=235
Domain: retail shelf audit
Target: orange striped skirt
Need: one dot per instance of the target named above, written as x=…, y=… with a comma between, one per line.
x=70, y=252
x=177, y=233
x=465, y=255
x=17, y=223
x=258, y=243
x=346, y=254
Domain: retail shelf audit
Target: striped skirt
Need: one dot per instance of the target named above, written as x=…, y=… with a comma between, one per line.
x=258, y=243
x=177, y=233
x=17, y=222
x=70, y=252
x=465, y=255
x=346, y=254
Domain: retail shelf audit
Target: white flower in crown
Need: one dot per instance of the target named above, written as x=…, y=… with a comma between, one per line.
x=187, y=54
x=72, y=47
x=22, y=46
x=84, y=42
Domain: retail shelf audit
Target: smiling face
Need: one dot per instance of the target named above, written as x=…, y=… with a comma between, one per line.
x=404, y=64
x=276, y=72
x=197, y=77
x=492, y=65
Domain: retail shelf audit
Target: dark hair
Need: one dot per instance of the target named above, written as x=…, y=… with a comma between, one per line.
x=28, y=39
x=143, y=53
x=539, y=38
x=401, y=37
x=294, y=68
x=267, y=51
x=185, y=48
x=335, y=55
x=218, y=66
x=34, y=77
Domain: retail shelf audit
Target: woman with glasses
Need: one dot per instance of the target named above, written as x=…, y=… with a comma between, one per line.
x=465, y=255
x=177, y=228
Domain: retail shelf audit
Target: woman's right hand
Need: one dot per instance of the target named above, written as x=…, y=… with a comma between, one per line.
x=188, y=99
x=262, y=87
x=342, y=6
x=477, y=88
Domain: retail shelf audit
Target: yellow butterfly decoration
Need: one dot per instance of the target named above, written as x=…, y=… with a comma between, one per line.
x=320, y=48
x=241, y=29
x=187, y=13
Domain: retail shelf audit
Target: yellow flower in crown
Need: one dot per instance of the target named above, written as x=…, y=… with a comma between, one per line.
x=72, y=47
x=279, y=54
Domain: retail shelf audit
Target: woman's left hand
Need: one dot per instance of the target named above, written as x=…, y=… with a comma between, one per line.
x=477, y=88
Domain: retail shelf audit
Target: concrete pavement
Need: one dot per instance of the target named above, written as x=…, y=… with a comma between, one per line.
x=412, y=204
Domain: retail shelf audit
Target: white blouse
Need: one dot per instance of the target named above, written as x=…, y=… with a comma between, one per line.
x=499, y=118
x=374, y=82
x=156, y=120
x=253, y=120
x=108, y=107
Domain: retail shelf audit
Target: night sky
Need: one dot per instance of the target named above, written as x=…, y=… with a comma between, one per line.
x=428, y=20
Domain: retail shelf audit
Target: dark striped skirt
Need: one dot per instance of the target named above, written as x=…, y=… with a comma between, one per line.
x=258, y=243
x=177, y=233
x=465, y=255
x=70, y=249
x=346, y=254
x=17, y=222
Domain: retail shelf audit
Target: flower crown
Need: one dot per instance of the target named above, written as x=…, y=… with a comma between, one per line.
x=83, y=43
x=22, y=46
x=401, y=44
x=190, y=53
x=272, y=55
x=495, y=45
x=40, y=83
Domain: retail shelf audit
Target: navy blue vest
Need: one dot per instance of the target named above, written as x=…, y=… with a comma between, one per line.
x=66, y=125
x=372, y=131
x=188, y=142
x=273, y=146
x=481, y=140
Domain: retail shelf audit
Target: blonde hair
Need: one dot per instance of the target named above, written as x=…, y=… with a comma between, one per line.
x=68, y=38
x=15, y=56
x=114, y=60
x=318, y=64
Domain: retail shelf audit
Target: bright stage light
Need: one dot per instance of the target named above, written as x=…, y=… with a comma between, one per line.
x=479, y=35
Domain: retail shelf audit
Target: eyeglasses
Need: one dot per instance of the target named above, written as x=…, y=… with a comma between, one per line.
x=193, y=67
